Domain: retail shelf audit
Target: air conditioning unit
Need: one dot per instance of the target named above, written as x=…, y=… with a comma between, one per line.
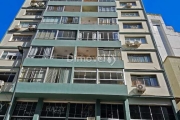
x=129, y=42
x=141, y=88
x=1, y=84
x=17, y=27
x=129, y=5
x=34, y=4
x=91, y=118
x=137, y=43
x=41, y=4
x=32, y=27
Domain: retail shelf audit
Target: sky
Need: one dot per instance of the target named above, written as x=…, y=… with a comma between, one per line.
x=169, y=9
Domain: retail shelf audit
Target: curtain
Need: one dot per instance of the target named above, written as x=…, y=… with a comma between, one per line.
x=94, y=36
x=64, y=75
x=33, y=52
x=153, y=82
x=80, y=35
x=64, y=20
x=115, y=36
x=47, y=52
x=52, y=34
x=75, y=20
x=99, y=36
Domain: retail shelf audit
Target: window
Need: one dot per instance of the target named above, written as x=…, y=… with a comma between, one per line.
x=98, y=76
x=58, y=75
x=23, y=38
x=107, y=21
x=105, y=53
x=112, y=111
x=26, y=24
x=110, y=77
x=141, y=39
x=139, y=58
x=107, y=9
x=33, y=12
x=81, y=110
x=51, y=20
x=24, y=109
x=71, y=35
x=85, y=76
x=3, y=108
x=125, y=3
x=70, y=20
x=108, y=36
x=132, y=26
x=106, y=0
x=62, y=20
x=147, y=80
x=46, y=34
x=32, y=75
x=11, y=55
x=151, y=112
x=7, y=76
x=87, y=35
x=56, y=8
x=40, y=52
x=129, y=14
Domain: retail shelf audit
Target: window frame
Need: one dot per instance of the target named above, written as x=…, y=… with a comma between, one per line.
x=31, y=74
x=133, y=26
x=144, y=78
x=127, y=14
x=137, y=58
x=28, y=38
x=17, y=56
x=136, y=38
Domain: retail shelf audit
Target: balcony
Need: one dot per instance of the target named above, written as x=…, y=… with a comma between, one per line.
x=90, y=9
x=66, y=57
x=90, y=0
x=89, y=20
x=6, y=81
x=71, y=91
x=98, y=76
x=72, y=9
x=63, y=53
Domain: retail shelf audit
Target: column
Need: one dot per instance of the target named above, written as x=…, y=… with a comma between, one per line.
x=98, y=110
x=175, y=109
x=10, y=110
x=126, y=110
x=67, y=111
x=38, y=109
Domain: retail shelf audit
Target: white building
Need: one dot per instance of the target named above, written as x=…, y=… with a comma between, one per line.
x=167, y=40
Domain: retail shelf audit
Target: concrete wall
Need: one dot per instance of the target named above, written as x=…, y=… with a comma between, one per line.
x=171, y=43
x=155, y=91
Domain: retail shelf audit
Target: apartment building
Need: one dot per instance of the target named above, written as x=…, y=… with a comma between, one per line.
x=82, y=60
x=167, y=40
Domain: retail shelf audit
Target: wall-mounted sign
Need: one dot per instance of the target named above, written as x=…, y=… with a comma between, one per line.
x=54, y=109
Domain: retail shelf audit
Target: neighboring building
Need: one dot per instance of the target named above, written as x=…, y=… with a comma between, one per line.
x=85, y=60
x=172, y=67
x=167, y=40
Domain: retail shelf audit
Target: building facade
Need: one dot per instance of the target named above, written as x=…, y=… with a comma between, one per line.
x=172, y=67
x=83, y=60
x=167, y=40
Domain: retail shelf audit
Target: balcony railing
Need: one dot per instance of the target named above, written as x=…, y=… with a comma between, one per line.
x=7, y=87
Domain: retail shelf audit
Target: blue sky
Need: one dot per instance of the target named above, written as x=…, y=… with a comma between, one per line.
x=169, y=9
